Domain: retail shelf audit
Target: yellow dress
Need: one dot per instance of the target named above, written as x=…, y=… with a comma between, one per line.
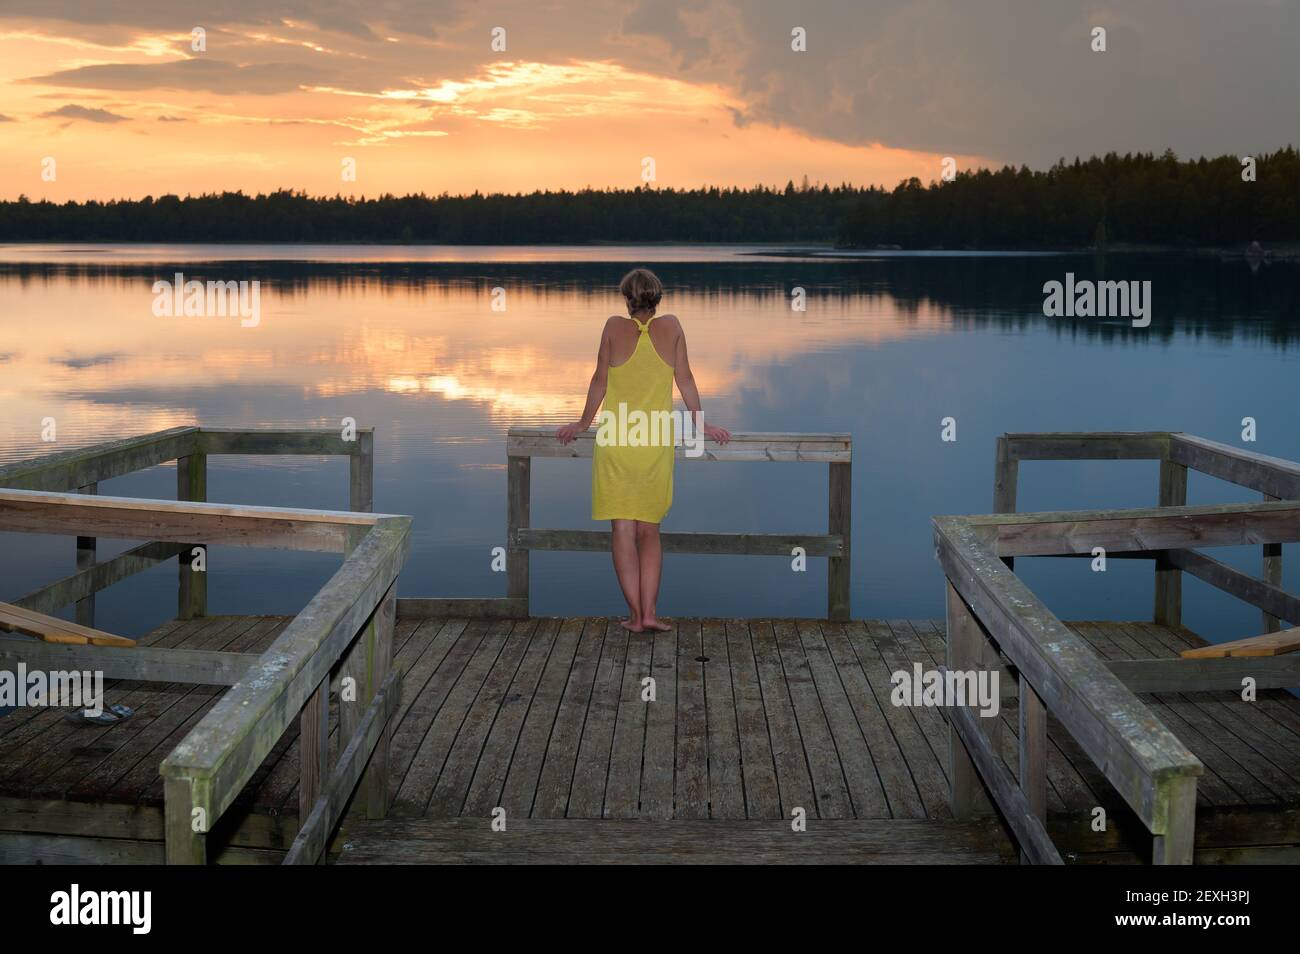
x=632, y=466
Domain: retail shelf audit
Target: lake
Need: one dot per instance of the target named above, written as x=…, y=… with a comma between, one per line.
x=406, y=339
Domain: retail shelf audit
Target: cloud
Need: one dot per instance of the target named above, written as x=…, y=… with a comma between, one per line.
x=1001, y=78
x=201, y=75
x=1012, y=80
x=172, y=119
x=89, y=114
x=7, y=119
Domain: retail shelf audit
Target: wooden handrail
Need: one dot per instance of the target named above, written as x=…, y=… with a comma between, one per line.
x=1274, y=477
x=347, y=626
x=836, y=450
x=1149, y=766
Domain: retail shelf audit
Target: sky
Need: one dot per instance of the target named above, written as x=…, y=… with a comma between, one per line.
x=105, y=99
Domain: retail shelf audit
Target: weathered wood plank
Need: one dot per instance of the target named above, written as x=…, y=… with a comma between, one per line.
x=726, y=782
x=1169, y=579
x=309, y=845
x=142, y=663
x=236, y=735
x=692, y=773
x=453, y=780
x=1268, y=644
x=904, y=800
x=1092, y=445
x=487, y=607
x=525, y=769
x=519, y=497
x=747, y=544
x=1222, y=525
x=623, y=788
x=1268, y=596
x=41, y=745
x=100, y=576
x=839, y=581
x=125, y=777
x=1035, y=844
x=54, y=630
x=427, y=683
x=1067, y=787
x=430, y=759
x=517, y=706
x=744, y=446
x=556, y=780
x=865, y=792
x=192, y=584
x=1110, y=724
x=660, y=758
x=68, y=470
x=270, y=441
x=889, y=841
x=591, y=771
x=129, y=518
x=1274, y=476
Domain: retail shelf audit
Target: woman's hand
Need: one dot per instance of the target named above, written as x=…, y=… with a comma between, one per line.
x=569, y=432
x=719, y=435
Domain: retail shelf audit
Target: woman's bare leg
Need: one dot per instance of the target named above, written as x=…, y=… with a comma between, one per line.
x=627, y=567
x=652, y=562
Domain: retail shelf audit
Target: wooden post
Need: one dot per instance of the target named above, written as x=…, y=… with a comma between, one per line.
x=840, y=521
x=314, y=735
x=1169, y=579
x=518, y=507
x=1006, y=477
x=1176, y=845
x=85, y=560
x=192, y=484
x=184, y=845
x=1033, y=751
x=361, y=474
x=1273, y=576
x=965, y=653
x=375, y=780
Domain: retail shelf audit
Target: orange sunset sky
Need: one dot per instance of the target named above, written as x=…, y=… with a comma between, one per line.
x=283, y=91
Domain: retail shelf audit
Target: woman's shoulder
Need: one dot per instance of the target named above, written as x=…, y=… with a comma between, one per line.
x=670, y=320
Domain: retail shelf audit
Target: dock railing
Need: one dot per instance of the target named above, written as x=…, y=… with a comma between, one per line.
x=81, y=470
x=523, y=444
x=1273, y=477
x=343, y=637
x=993, y=616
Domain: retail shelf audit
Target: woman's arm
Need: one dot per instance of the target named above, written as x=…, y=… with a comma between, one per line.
x=691, y=393
x=595, y=393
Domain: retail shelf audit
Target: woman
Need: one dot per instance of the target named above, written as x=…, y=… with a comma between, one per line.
x=632, y=468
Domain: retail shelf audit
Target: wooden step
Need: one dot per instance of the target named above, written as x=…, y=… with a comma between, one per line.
x=51, y=629
x=715, y=841
x=1270, y=644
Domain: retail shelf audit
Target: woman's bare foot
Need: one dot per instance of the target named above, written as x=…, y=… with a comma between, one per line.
x=655, y=624
x=631, y=625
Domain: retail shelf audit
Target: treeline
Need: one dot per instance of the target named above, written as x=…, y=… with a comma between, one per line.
x=1141, y=199
x=1138, y=199
x=807, y=214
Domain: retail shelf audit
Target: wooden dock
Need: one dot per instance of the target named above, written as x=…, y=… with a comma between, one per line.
x=368, y=728
x=545, y=719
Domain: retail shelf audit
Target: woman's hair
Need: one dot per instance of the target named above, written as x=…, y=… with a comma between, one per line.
x=642, y=289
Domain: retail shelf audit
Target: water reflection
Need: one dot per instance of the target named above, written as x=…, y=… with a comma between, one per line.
x=886, y=348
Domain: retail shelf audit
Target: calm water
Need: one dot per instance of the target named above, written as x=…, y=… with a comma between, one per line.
x=407, y=340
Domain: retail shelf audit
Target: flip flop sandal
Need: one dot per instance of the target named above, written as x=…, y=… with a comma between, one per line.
x=110, y=716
